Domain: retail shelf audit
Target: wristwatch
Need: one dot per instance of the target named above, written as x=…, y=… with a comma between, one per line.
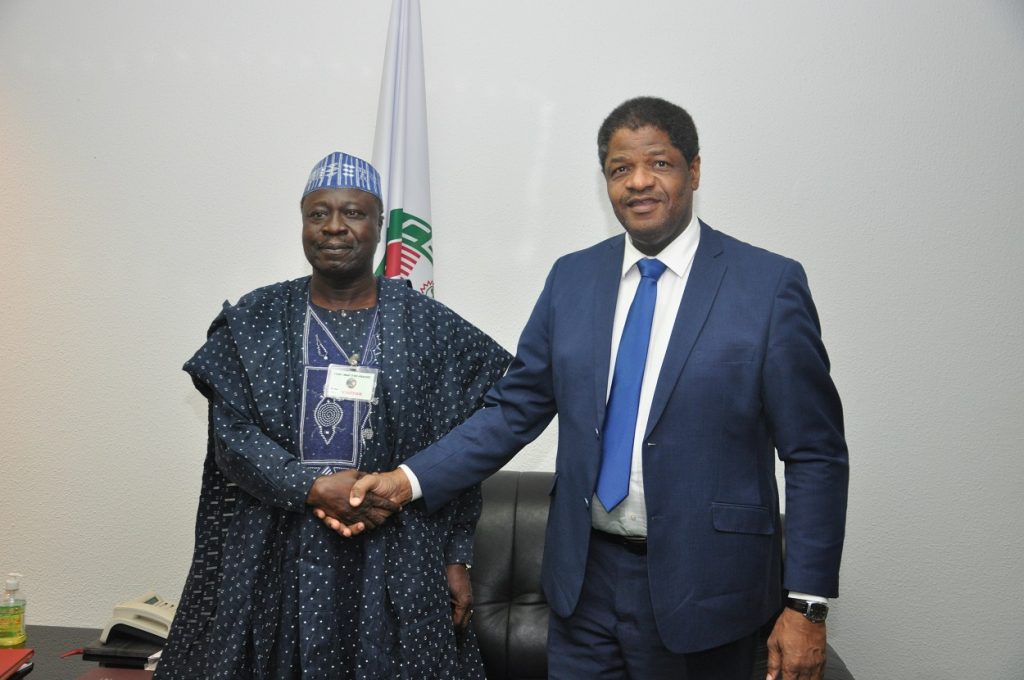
x=816, y=612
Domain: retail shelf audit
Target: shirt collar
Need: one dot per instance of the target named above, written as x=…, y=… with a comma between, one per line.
x=677, y=255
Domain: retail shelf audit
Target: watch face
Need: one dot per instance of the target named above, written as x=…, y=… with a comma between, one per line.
x=816, y=612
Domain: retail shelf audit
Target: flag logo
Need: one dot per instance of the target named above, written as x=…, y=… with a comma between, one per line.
x=410, y=250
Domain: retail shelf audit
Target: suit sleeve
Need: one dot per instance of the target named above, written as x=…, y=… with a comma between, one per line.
x=805, y=414
x=516, y=411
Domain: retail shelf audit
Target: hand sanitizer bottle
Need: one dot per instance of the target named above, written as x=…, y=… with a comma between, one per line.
x=12, y=613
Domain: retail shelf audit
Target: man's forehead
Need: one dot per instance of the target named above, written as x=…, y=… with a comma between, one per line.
x=334, y=196
x=649, y=139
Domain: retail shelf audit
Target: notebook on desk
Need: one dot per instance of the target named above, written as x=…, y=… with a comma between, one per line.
x=11, y=661
x=121, y=651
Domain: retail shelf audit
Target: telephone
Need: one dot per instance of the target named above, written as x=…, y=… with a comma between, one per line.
x=147, y=616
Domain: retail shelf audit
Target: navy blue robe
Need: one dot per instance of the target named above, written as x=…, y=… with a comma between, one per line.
x=272, y=593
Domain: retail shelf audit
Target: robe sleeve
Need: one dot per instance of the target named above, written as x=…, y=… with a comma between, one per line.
x=465, y=513
x=475, y=365
x=243, y=451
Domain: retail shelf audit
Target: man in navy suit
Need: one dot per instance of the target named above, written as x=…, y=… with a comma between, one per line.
x=663, y=555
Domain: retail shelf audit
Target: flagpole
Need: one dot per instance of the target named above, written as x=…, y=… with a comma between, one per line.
x=400, y=153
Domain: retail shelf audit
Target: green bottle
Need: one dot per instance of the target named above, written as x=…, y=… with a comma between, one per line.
x=12, y=613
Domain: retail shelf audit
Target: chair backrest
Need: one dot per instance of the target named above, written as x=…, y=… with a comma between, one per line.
x=510, y=612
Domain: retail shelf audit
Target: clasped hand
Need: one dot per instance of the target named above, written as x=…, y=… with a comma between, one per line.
x=353, y=501
x=330, y=498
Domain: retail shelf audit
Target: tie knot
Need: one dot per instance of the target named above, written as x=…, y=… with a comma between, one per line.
x=651, y=268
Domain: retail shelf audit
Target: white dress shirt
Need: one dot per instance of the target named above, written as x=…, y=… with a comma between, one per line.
x=629, y=517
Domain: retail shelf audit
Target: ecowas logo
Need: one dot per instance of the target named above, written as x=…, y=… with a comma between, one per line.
x=410, y=248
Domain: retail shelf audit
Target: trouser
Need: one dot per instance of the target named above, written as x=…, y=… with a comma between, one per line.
x=612, y=634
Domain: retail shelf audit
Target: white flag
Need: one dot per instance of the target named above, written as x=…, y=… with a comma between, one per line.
x=400, y=153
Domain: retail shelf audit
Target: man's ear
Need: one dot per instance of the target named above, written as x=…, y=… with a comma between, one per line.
x=695, y=172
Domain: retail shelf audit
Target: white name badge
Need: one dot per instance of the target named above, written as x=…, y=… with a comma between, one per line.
x=350, y=383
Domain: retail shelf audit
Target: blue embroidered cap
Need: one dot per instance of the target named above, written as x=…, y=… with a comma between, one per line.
x=341, y=171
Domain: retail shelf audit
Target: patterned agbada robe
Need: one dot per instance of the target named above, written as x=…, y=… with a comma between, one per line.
x=272, y=593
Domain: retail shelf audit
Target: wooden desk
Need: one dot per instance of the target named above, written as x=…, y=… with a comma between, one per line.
x=49, y=642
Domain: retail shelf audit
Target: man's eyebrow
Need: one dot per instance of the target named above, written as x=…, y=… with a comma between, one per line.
x=660, y=150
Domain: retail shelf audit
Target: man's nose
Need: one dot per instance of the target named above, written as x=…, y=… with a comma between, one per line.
x=336, y=224
x=640, y=179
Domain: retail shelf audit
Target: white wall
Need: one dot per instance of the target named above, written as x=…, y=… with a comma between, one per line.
x=151, y=159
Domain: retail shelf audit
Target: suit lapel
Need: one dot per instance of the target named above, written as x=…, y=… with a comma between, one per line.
x=606, y=291
x=701, y=289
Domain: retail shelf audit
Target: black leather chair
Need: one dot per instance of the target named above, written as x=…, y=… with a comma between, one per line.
x=511, y=614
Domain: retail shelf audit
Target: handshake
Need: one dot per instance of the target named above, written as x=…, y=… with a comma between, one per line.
x=352, y=501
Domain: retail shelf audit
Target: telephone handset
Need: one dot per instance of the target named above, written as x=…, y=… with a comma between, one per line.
x=147, y=617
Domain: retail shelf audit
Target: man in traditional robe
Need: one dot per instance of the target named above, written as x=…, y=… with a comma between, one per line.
x=312, y=383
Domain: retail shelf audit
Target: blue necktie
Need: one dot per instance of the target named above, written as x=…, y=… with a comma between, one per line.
x=620, y=417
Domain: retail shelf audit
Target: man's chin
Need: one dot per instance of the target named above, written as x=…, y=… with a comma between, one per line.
x=653, y=241
x=337, y=271
x=645, y=232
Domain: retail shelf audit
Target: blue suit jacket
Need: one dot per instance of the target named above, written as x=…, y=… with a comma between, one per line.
x=745, y=374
